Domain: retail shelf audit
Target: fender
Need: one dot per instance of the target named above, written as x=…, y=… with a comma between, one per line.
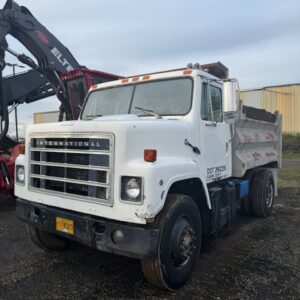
x=176, y=174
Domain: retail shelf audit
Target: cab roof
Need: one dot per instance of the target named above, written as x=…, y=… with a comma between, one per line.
x=175, y=73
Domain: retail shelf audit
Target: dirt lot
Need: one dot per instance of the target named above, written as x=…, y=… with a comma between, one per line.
x=252, y=259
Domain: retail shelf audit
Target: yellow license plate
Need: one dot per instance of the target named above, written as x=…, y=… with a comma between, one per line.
x=65, y=225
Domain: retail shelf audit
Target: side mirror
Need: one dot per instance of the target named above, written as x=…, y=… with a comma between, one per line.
x=231, y=91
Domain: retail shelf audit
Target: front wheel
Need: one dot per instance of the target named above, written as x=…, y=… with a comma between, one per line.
x=179, y=245
x=45, y=240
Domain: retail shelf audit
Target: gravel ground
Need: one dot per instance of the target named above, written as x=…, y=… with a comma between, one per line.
x=251, y=259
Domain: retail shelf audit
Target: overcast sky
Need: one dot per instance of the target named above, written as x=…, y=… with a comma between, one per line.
x=258, y=40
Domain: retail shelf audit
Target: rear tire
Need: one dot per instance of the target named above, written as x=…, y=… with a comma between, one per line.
x=179, y=243
x=45, y=240
x=262, y=193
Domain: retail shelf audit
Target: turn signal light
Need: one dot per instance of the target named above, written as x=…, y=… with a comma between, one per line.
x=146, y=77
x=150, y=155
x=186, y=72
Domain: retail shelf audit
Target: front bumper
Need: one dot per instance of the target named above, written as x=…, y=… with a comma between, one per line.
x=138, y=241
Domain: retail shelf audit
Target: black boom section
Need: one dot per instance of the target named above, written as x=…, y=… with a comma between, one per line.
x=52, y=58
x=50, y=53
x=26, y=88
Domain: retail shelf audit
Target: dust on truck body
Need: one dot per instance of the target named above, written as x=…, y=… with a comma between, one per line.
x=154, y=163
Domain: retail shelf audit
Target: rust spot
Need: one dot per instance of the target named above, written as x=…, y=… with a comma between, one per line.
x=256, y=156
x=270, y=136
x=247, y=138
x=270, y=153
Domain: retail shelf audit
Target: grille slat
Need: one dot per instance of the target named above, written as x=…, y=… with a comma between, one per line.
x=84, y=159
x=63, y=165
x=78, y=168
x=59, y=179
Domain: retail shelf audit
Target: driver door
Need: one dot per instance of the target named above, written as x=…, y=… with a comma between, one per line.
x=214, y=134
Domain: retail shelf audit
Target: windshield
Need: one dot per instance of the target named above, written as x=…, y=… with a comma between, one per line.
x=164, y=97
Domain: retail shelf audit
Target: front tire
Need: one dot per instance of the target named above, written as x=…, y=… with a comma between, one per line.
x=179, y=245
x=45, y=240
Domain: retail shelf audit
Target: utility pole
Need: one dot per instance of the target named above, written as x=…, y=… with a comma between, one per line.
x=16, y=112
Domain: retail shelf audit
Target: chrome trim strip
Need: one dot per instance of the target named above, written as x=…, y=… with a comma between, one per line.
x=55, y=150
x=69, y=180
x=74, y=196
x=72, y=166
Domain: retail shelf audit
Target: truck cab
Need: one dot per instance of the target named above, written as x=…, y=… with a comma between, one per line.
x=152, y=164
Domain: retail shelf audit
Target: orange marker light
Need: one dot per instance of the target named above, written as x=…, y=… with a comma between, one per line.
x=94, y=87
x=135, y=79
x=146, y=77
x=125, y=80
x=187, y=72
x=21, y=148
x=150, y=155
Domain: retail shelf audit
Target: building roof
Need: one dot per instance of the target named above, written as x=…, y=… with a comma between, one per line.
x=270, y=86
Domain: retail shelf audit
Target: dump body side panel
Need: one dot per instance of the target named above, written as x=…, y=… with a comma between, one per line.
x=256, y=139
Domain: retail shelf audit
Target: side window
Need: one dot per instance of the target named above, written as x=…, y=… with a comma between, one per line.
x=216, y=102
x=211, y=103
x=205, y=104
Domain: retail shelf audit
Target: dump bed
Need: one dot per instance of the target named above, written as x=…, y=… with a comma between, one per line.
x=256, y=139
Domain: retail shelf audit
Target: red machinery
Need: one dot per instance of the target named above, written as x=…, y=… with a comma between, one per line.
x=56, y=73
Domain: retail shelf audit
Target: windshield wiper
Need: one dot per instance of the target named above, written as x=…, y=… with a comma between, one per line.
x=93, y=116
x=148, y=112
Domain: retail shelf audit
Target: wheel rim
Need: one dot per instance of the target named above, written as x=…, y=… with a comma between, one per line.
x=270, y=194
x=183, y=242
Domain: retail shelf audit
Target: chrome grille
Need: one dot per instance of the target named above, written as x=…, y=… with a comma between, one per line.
x=73, y=167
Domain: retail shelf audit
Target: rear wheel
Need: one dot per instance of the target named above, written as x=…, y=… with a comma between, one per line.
x=45, y=240
x=179, y=246
x=262, y=193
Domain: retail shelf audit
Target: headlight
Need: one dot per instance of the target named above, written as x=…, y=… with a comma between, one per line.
x=20, y=174
x=131, y=189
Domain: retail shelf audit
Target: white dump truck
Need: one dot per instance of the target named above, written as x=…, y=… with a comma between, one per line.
x=154, y=163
